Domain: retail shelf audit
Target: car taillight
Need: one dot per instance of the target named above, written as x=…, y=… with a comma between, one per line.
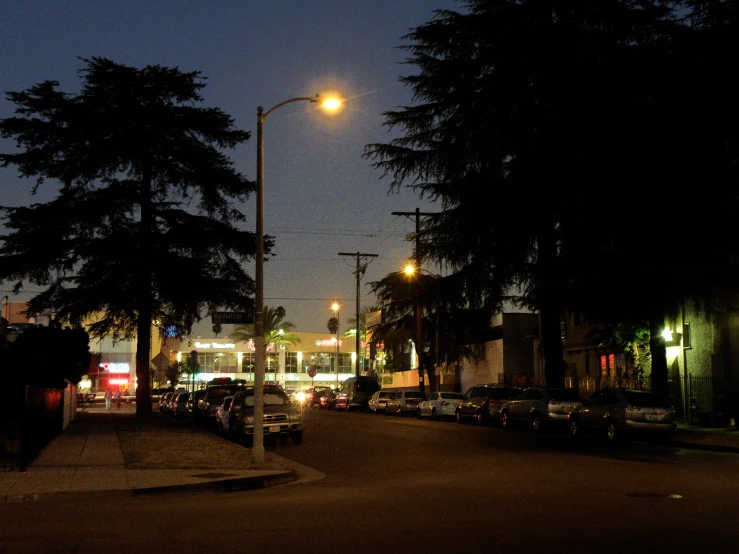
x=444, y=403
x=495, y=401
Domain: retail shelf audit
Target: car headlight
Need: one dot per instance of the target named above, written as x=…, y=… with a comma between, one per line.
x=296, y=417
x=248, y=420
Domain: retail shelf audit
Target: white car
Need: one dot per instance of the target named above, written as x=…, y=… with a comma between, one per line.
x=222, y=415
x=440, y=405
x=378, y=401
x=403, y=402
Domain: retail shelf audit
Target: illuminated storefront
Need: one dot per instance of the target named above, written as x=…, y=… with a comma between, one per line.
x=290, y=365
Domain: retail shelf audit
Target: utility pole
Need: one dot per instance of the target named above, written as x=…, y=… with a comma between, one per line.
x=419, y=309
x=358, y=272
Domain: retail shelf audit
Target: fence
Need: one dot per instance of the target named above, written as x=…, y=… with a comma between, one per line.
x=29, y=418
x=711, y=400
x=521, y=380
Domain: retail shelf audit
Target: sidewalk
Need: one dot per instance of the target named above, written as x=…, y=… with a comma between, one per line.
x=112, y=453
x=719, y=439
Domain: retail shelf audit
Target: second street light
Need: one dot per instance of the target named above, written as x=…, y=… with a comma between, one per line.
x=257, y=454
x=410, y=270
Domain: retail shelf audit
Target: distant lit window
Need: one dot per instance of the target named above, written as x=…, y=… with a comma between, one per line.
x=291, y=362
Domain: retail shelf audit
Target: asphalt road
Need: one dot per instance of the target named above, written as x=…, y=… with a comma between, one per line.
x=397, y=485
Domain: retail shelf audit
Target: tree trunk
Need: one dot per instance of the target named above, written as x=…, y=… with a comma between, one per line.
x=430, y=372
x=551, y=340
x=144, y=299
x=549, y=307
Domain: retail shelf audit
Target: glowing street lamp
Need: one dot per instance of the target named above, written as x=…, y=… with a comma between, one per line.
x=410, y=270
x=329, y=104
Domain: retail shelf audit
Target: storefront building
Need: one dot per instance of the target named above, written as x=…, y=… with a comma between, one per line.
x=314, y=360
x=311, y=362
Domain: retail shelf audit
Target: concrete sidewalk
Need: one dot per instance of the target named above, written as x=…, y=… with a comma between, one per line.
x=112, y=453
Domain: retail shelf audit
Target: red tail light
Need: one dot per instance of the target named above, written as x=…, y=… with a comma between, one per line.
x=495, y=401
x=444, y=403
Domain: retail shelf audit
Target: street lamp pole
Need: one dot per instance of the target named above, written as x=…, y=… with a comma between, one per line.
x=410, y=270
x=335, y=308
x=257, y=452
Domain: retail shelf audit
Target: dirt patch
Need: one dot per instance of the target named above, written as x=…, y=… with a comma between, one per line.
x=161, y=443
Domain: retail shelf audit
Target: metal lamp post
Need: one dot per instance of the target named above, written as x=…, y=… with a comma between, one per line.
x=257, y=453
x=335, y=308
x=410, y=270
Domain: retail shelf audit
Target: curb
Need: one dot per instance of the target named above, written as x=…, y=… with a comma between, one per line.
x=224, y=485
x=76, y=496
x=707, y=447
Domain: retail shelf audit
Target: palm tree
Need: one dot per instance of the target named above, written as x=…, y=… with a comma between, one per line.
x=352, y=322
x=277, y=331
x=333, y=325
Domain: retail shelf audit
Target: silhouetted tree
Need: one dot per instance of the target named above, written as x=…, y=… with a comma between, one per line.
x=575, y=119
x=174, y=372
x=144, y=228
x=333, y=325
x=444, y=310
x=27, y=361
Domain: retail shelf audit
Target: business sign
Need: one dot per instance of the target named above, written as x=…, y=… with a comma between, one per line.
x=116, y=367
x=209, y=345
x=226, y=318
x=328, y=342
x=373, y=318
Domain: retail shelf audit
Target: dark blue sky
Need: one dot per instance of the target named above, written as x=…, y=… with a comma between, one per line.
x=321, y=197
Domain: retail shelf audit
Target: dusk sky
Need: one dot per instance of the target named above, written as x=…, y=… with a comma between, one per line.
x=321, y=196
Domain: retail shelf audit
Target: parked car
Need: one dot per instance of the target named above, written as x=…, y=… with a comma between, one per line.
x=85, y=397
x=313, y=395
x=282, y=418
x=222, y=415
x=440, y=405
x=164, y=401
x=328, y=399
x=378, y=401
x=179, y=405
x=616, y=412
x=482, y=403
x=340, y=400
x=212, y=400
x=403, y=402
x=355, y=392
x=539, y=407
x=172, y=401
x=192, y=404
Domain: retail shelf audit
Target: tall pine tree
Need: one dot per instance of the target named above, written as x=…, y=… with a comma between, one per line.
x=143, y=229
x=521, y=110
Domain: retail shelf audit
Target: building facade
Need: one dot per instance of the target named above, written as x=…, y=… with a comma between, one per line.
x=314, y=360
x=508, y=354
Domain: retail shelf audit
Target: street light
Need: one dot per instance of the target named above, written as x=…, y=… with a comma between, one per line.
x=409, y=271
x=257, y=452
x=335, y=307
